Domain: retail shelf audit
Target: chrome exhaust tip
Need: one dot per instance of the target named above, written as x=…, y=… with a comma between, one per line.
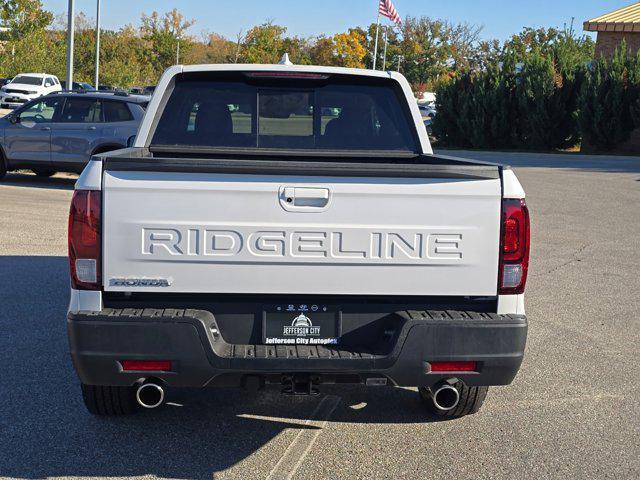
x=150, y=395
x=445, y=396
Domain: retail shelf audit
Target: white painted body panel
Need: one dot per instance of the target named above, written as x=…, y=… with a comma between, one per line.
x=511, y=304
x=377, y=236
x=91, y=177
x=85, y=301
x=510, y=185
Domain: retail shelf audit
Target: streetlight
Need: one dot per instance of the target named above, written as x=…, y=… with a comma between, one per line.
x=177, y=49
x=70, y=28
x=97, y=44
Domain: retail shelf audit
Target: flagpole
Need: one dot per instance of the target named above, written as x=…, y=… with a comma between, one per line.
x=386, y=41
x=375, y=48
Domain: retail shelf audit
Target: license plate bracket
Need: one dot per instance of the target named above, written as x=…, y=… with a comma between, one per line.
x=301, y=324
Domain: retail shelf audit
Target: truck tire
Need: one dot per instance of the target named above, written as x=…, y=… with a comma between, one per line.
x=44, y=172
x=471, y=399
x=3, y=167
x=108, y=401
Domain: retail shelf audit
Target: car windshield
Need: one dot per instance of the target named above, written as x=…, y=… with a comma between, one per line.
x=27, y=80
x=258, y=111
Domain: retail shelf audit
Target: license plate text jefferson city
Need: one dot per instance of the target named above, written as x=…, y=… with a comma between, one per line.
x=353, y=244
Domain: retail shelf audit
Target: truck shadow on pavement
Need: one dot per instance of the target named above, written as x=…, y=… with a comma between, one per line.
x=46, y=432
x=30, y=180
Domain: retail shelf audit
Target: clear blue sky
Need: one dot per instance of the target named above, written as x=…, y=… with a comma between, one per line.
x=500, y=18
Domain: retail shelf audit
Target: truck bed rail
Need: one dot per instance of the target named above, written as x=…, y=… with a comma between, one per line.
x=339, y=164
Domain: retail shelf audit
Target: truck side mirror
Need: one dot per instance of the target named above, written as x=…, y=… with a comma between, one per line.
x=131, y=140
x=14, y=118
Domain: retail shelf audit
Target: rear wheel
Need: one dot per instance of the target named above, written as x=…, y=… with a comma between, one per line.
x=44, y=172
x=471, y=399
x=3, y=167
x=107, y=400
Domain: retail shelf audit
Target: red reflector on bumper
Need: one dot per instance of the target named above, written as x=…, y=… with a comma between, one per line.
x=453, y=366
x=146, y=365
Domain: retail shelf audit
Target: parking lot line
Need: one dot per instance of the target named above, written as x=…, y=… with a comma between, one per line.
x=300, y=446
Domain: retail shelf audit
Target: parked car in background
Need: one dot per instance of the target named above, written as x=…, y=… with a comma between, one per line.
x=26, y=87
x=428, y=124
x=427, y=107
x=136, y=91
x=105, y=88
x=60, y=132
x=78, y=86
x=148, y=90
x=426, y=112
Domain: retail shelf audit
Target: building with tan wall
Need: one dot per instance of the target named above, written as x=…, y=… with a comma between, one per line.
x=614, y=27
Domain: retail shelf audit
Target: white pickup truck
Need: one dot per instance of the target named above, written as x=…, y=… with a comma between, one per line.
x=290, y=225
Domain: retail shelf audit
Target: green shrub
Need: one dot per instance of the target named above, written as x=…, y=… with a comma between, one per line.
x=609, y=100
x=526, y=100
x=546, y=105
x=499, y=108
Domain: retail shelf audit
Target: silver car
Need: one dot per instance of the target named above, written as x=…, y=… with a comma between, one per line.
x=60, y=132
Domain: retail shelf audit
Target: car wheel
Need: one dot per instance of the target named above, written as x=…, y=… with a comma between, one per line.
x=109, y=401
x=470, y=401
x=44, y=173
x=3, y=167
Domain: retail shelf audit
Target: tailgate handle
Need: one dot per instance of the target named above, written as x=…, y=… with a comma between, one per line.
x=304, y=198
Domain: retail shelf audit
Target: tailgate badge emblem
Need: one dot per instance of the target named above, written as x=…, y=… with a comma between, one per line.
x=140, y=282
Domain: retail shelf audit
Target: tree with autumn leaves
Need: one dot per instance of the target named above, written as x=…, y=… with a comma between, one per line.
x=36, y=41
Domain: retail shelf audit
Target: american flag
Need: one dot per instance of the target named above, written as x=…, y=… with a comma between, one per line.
x=386, y=9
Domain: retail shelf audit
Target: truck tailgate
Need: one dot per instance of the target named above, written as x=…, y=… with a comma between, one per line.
x=257, y=233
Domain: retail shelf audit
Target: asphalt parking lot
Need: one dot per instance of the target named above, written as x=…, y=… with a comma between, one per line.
x=572, y=412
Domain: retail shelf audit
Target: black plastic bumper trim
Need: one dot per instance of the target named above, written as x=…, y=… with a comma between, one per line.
x=99, y=340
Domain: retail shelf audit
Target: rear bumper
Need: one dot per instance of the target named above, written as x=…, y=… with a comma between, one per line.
x=200, y=356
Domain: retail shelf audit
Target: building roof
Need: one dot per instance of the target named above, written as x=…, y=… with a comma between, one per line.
x=625, y=19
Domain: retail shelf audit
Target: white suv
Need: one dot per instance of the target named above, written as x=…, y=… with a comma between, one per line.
x=26, y=87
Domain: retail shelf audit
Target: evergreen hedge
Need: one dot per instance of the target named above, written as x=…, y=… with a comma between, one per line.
x=545, y=104
x=609, y=103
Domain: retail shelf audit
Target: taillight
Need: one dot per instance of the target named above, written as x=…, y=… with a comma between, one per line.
x=84, y=240
x=514, y=247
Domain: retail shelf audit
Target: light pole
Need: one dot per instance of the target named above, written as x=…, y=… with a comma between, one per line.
x=177, y=49
x=386, y=42
x=70, y=28
x=97, y=44
x=375, y=48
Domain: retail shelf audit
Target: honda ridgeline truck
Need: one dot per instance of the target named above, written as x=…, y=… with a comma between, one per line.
x=290, y=225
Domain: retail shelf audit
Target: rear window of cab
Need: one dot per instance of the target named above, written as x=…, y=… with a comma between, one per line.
x=266, y=111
